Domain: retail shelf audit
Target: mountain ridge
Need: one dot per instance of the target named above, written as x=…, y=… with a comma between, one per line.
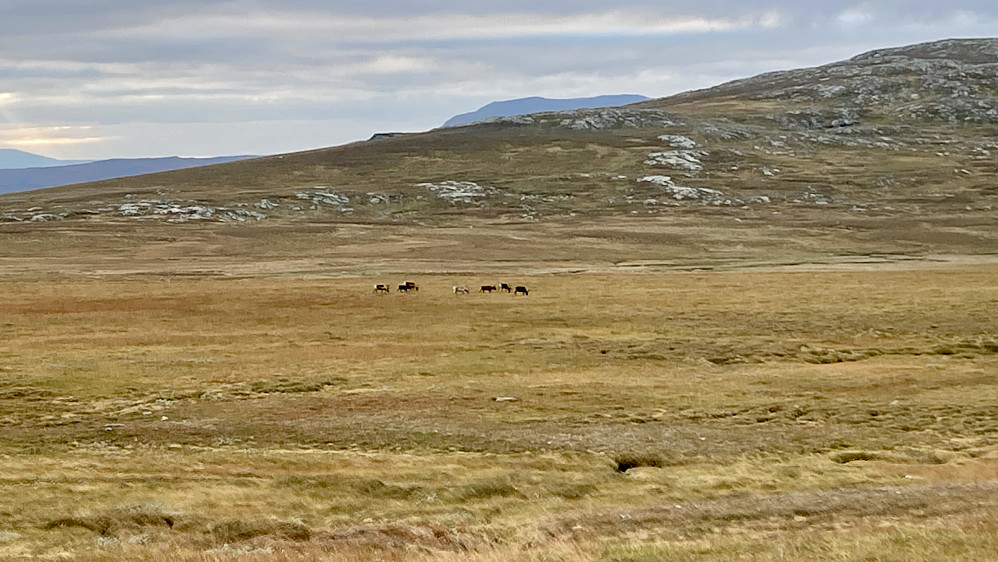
x=13, y=159
x=23, y=179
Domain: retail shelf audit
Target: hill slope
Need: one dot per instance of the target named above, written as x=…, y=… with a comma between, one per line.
x=889, y=152
x=951, y=82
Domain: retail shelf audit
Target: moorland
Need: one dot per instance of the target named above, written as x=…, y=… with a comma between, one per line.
x=784, y=350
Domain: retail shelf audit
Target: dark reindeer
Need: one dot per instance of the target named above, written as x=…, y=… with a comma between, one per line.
x=487, y=289
x=381, y=288
x=408, y=286
x=505, y=287
x=520, y=290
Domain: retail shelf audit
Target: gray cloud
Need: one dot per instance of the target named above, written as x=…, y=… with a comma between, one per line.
x=102, y=78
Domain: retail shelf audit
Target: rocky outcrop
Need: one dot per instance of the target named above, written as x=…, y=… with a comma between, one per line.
x=597, y=119
x=458, y=191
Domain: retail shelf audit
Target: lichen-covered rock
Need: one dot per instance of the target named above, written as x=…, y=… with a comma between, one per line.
x=458, y=191
x=680, y=192
x=679, y=141
x=596, y=119
x=687, y=161
x=819, y=119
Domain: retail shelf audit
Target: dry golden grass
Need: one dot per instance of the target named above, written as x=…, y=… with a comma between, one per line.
x=773, y=414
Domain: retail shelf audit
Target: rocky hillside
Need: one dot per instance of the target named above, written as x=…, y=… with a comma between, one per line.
x=897, y=132
x=952, y=82
x=524, y=106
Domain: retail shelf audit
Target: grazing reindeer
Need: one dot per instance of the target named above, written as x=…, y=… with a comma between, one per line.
x=520, y=289
x=408, y=286
x=505, y=287
x=459, y=290
x=380, y=288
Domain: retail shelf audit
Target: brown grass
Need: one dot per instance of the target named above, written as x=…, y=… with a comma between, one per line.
x=298, y=417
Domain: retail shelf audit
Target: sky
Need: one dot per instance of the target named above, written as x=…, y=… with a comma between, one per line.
x=92, y=79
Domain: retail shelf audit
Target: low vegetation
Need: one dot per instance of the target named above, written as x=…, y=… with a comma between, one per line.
x=613, y=416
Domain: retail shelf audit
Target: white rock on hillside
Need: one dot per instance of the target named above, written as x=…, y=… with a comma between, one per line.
x=133, y=209
x=178, y=213
x=336, y=200
x=238, y=215
x=175, y=212
x=458, y=191
x=683, y=160
x=679, y=141
x=680, y=192
x=45, y=217
x=609, y=118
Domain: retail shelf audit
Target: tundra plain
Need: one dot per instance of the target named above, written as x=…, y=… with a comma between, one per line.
x=761, y=326
x=157, y=410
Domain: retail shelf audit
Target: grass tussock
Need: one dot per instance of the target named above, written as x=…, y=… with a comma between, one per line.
x=237, y=531
x=118, y=520
x=846, y=457
x=487, y=489
x=650, y=459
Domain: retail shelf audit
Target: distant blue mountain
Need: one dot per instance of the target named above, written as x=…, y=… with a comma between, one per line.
x=10, y=158
x=524, y=106
x=12, y=180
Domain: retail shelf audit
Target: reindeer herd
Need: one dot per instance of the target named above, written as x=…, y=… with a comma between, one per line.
x=411, y=287
x=501, y=287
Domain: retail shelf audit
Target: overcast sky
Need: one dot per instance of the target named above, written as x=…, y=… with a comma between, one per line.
x=87, y=79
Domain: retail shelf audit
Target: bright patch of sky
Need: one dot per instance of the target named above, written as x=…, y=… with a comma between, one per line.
x=856, y=16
